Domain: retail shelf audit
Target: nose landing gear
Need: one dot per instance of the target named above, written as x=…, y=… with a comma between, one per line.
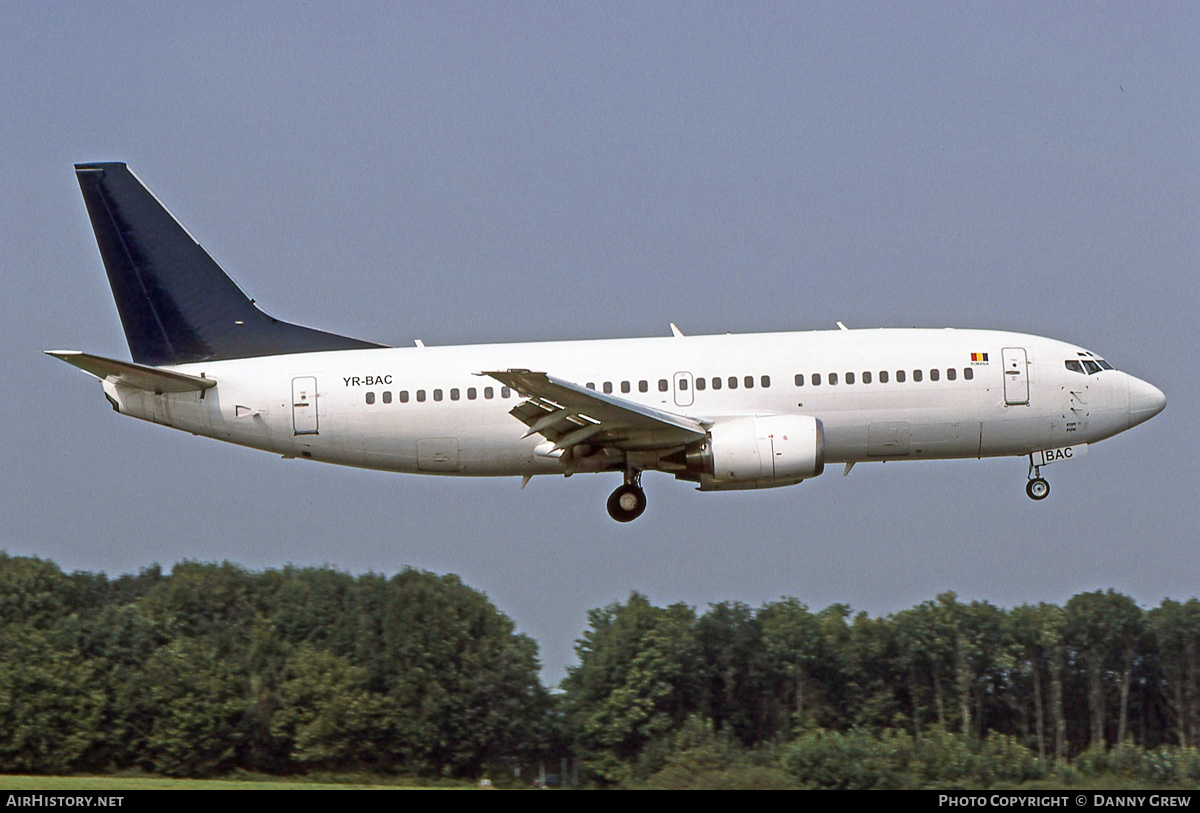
x=629, y=501
x=1036, y=488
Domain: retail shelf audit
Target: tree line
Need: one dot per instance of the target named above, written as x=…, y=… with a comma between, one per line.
x=1043, y=684
x=214, y=668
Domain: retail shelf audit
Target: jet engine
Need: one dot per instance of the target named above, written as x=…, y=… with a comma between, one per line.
x=758, y=452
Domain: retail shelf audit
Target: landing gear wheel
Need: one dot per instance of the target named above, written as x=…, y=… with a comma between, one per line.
x=627, y=503
x=1037, y=489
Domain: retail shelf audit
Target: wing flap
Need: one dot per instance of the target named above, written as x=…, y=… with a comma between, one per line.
x=132, y=374
x=567, y=414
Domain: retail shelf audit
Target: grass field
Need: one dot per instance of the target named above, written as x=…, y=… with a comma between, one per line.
x=119, y=783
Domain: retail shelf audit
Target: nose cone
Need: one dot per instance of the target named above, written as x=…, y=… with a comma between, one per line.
x=1145, y=401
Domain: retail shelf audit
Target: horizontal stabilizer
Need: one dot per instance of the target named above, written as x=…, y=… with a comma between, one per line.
x=133, y=375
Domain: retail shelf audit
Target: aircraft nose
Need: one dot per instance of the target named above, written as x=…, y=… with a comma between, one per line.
x=1145, y=401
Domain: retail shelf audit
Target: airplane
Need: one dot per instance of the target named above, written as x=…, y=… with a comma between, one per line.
x=725, y=412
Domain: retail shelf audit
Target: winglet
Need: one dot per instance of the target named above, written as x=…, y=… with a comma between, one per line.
x=676, y=332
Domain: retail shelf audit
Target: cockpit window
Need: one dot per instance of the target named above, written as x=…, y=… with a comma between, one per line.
x=1087, y=364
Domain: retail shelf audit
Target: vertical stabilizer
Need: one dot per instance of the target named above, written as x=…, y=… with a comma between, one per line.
x=176, y=304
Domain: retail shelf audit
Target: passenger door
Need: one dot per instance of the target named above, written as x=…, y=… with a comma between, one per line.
x=1016, y=376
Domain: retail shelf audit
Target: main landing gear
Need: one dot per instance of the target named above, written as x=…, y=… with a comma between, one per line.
x=1036, y=488
x=629, y=501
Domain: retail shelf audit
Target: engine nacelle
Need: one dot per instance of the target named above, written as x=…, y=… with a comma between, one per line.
x=761, y=452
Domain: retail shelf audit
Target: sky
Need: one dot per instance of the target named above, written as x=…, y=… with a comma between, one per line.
x=497, y=172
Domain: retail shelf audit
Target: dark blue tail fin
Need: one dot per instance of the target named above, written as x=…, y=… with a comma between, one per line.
x=176, y=304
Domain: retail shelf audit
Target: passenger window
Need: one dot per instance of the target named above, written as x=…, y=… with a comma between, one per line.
x=968, y=373
x=663, y=386
x=765, y=381
x=934, y=375
x=454, y=394
x=849, y=378
x=505, y=392
x=733, y=382
x=700, y=383
x=899, y=376
x=404, y=396
x=748, y=382
x=387, y=396
x=883, y=376
x=489, y=392
x=866, y=377
x=624, y=386
x=916, y=375
x=471, y=393
x=370, y=397
x=951, y=374
x=591, y=385
x=683, y=384
x=643, y=386
x=716, y=383
x=437, y=395
x=608, y=388
x=421, y=395
x=832, y=379
x=816, y=379
x=799, y=379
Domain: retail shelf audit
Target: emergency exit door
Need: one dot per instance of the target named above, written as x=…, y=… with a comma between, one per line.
x=683, y=389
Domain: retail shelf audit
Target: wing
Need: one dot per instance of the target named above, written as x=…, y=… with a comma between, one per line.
x=567, y=414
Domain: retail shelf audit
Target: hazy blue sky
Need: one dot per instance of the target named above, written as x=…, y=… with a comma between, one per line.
x=469, y=172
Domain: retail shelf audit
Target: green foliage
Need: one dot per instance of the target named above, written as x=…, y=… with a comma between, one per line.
x=696, y=757
x=49, y=703
x=464, y=684
x=215, y=669
x=858, y=759
x=855, y=760
x=1161, y=766
x=193, y=699
x=327, y=718
x=637, y=680
x=1091, y=763
x=34, y=593
x=1001, y=758
x=986, y=696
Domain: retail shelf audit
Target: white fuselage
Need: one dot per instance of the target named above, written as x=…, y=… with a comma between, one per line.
x=899, y=394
